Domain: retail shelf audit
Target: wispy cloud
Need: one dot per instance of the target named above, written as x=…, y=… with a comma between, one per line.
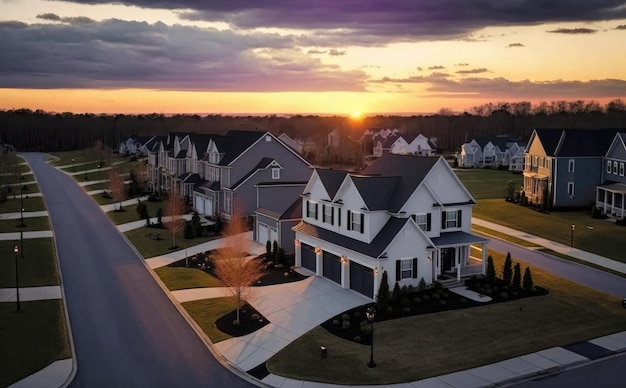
x=573, y=31
x=436, y=67
x=316, y=52
x=473, y=71
x=336, y=53
x=515, y=45
x=621, y=27
x=462, y=64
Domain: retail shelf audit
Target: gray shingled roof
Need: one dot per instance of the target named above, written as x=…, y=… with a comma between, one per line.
x=377, y=192
x=576, y=142
x=331, y=179
x=410, y=169
x=263, y=163
x=455, y=238
x=239, y=142
x=374, y=249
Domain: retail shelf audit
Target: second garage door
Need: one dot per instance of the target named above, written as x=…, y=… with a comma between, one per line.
x=332, y=267
x=362, y=279
x=307, y=253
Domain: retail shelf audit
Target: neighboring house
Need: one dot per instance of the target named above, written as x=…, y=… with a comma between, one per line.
x=611, y=194
x=134, y=145
x=492, y=151
x=514, y=156
x=471, y=154
x=563, y=167
x=279, y=210
x=383, y=145
x=413, y=144
x=407, y=215
x=216, y=172
x=291, y=142
x=6, y=148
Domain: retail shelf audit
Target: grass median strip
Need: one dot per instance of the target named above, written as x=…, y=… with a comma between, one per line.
x=206, y=311
x=31, y=204
x=180, y=278
x=423, y=346
x=37, y=268
x=31, y=224
x=143, y=240
x=504, y=236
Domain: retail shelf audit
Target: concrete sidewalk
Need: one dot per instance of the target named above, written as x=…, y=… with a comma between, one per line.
x=30, y=293
x=128, y=202
x=141, y=223
x=26, y=235
x=557, y=247
x=18, y=215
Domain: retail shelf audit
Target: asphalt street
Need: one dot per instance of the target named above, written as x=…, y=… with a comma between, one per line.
x=585, y=275
x=126, y=331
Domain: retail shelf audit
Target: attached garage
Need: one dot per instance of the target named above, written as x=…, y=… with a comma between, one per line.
x=332, y=267
x=198, y=203
x=208, y=207
x=261, y=233
x=362, y=279
x=307, y=253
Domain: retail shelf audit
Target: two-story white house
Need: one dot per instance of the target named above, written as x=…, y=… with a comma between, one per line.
x=407, y=215
x=413, y=144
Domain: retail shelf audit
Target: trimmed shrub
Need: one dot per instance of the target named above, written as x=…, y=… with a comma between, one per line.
x=335, y=322
x=268, y=250
x=517, y=276
x=435, y=296
x=425, y=297
x=396, y=293
x=345, y=317
x=389, y=309
x=159, y=215
x=236, y=322
x=491, y=270
x=382, y=299
x=406, y=309
x=528, y=280
x=422, y=285
x=357, y=338
x=504, y=295
x=255, y=316
x=417, y=300
x=507, y=270
x=142, y=210
x=188, y=233
x=345, y=325
x=405, y=302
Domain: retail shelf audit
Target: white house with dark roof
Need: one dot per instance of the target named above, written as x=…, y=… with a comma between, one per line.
x=413, y=144
x=407, y=215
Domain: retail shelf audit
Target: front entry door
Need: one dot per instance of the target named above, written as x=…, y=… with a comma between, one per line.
x=447, y=258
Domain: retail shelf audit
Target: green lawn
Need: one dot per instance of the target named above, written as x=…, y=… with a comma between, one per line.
x=32, y=223
x=180, y=278
x=598, y=236
x=65, y=157
x=31, y=204
x=38, y=267
x=488, y=183
x=148, y=247
x=131, y=214
x=31, y=340
x=419, y=347
x=206, y=311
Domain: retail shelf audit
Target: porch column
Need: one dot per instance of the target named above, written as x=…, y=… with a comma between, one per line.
x=377, y=277
x=484, y=263
x=457, y=259
x=298, y=252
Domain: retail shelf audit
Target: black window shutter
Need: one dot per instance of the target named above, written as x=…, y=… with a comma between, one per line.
x=332, y=215
x=428, y=222
x=443, y=219
x=316, y=212
x=362, y=222
x=458, y=217
x=349, y=221
x=323, y=213
x=338, y=216
x=415, y=268
x=398, y=270
x=307, y=208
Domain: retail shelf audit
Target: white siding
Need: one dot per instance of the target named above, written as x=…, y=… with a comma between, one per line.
x=445, y=185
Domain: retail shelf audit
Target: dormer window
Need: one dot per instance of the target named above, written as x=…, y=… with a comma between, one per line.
x=214, y=157
x=311, y=209
x=275, y=173
x=356, y=221
x=328, y=214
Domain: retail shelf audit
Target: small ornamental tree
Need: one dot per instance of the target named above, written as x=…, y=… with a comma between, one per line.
x=174, y=208
x=188, y=231
x=274, y=249
x=382, y=299
x=142, y=210
x=491, y=270
x=116, y=186
x=280, y=256
x=395, y=297
x=528, y=280
x=517, y=277
x=196, y=226
x=159, y=216
x=509, y=192
x=268, y=250
x=234, y=270
x=507, y=270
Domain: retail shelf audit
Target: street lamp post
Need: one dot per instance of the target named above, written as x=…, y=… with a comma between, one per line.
x=370, y=313
x=16, y=249
x=571, y=240
x=73, y=165
x=21, y=203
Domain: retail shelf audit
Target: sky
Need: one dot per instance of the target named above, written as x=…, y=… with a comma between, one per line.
x=307, y=56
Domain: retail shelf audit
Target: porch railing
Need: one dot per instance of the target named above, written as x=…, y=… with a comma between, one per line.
x=470, y=270
x=610, y=210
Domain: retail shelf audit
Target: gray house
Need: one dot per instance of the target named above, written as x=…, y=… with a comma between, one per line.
x=610, y=195
x=562, y=167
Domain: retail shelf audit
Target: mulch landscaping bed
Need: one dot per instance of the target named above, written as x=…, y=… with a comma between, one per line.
x=250, y=321
x=353, y=325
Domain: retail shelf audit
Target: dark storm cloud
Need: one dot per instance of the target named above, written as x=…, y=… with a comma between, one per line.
x=503, y=88
x=573, y=31
x=122, y=54
x=70, y=20
x=515, y=45
x=388, y=20
x=473, y=71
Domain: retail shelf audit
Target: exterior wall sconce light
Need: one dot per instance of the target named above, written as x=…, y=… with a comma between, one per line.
x=318, y=250
x=297, y=242
x=344, y=260
x=375, y=271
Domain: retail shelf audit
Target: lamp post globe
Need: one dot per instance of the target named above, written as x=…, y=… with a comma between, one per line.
x=370, y=314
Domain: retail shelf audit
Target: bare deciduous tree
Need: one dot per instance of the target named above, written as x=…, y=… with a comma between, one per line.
x=116, y=186
x=234, y=270
x=174, y=209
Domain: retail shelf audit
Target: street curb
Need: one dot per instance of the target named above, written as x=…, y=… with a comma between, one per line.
x=192, y=323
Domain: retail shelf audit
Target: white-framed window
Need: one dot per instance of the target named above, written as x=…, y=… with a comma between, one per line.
x=311, y=209
x=275, y=173
x=214, y=157
x=615, y=167
x=570, y=189
x=406, y=269
x=621, y=169
x=328, y=214
x=355, y=222
x=423, y=221
x=228, y=202
x=570, y=166
x=451, y=218
x=608, y=166
x=535, y=161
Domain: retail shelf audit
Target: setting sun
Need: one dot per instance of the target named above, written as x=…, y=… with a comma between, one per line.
x=356, y=115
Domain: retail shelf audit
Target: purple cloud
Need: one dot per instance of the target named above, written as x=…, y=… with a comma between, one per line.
x=573, y=31
x=436, y=67
x=515, y=45
x=473, y=71
x=122, y=54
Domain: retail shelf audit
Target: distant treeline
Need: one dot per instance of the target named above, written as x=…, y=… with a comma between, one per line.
x=38, y=130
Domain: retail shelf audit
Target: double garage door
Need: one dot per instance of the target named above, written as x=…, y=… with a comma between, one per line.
x=266, y=233
x=203, y=205
x=361, y=277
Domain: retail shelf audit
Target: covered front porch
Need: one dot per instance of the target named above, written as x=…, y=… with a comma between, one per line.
x=610, y=199
x=535, y=187
x=453, y=256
